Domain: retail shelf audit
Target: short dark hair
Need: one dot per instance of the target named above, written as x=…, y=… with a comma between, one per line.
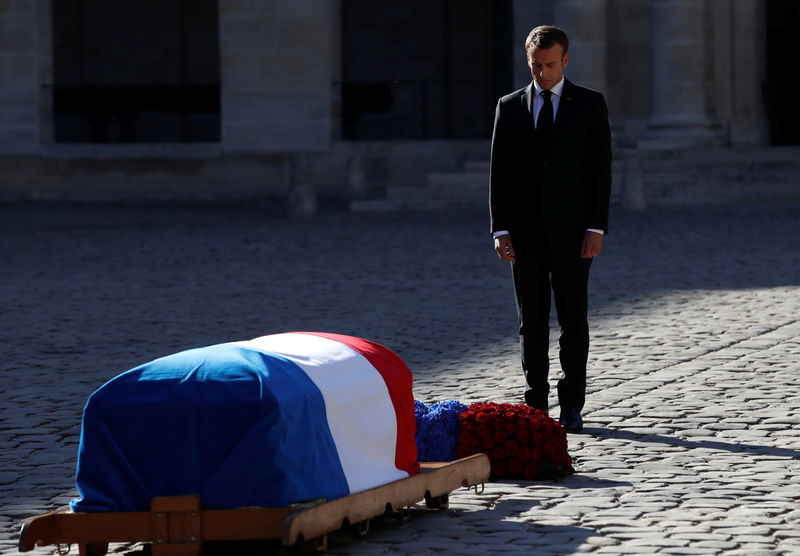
x=546, y=36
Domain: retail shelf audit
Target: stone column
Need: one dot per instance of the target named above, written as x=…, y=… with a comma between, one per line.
x=678, y=116
x=584, y=21
x=276, y=75
x=749, y=124
x=337, y=70
x=19, y=77
x=526, y=15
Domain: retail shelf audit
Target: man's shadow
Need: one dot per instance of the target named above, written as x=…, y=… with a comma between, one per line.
x=751, y=449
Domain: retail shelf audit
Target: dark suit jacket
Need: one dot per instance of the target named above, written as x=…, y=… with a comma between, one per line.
x=551, y=192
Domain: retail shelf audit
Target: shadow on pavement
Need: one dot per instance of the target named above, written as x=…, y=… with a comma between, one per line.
x=751, y=449
x=414, y=536
x=582, y=481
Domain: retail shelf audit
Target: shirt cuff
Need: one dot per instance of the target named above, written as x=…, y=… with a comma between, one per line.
x=595, y=230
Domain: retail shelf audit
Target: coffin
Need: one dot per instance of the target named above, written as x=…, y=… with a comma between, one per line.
x=268, y=422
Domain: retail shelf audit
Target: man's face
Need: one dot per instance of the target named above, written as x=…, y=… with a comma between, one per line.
x=547, y=65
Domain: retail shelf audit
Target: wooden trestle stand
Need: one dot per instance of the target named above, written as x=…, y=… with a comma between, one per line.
x=177, y=525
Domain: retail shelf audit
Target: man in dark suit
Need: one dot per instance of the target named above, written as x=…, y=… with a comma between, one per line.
x=549, y=195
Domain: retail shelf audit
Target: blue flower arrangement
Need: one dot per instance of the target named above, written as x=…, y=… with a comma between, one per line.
x=438, y=427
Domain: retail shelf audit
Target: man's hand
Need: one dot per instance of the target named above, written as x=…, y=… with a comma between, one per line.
x=502, y=244
x=592, y=244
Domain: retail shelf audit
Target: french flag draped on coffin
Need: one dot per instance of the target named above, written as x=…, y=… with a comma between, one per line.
x=267, y=422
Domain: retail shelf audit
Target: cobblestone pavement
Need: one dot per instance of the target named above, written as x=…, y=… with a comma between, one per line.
x=691, y=443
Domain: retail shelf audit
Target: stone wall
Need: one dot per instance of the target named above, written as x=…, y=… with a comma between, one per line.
x=281, y=108
x=151, y=176
x=19, y=76
x=276, y=75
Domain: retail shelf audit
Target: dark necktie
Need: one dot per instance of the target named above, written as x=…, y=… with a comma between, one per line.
x=544, y=124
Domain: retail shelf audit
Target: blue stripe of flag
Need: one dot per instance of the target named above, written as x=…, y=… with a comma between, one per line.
x=237, y=426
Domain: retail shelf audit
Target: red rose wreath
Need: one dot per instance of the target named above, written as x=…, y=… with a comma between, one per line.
x=521, y=442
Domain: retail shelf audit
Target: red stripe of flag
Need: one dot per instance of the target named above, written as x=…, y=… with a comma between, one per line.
x=398, y=381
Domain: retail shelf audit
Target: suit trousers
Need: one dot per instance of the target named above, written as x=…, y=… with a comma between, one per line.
x=535, y=272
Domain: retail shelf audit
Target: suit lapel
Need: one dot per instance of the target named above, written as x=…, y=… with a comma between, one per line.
x=527, y=99
x=526, y=105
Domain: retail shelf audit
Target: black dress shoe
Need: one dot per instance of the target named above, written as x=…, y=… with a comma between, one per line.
x=571, y=420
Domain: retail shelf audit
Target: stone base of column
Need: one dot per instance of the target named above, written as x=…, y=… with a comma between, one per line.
x=675, y=133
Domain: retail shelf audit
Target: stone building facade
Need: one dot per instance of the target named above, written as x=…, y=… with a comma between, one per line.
x=208, y=99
